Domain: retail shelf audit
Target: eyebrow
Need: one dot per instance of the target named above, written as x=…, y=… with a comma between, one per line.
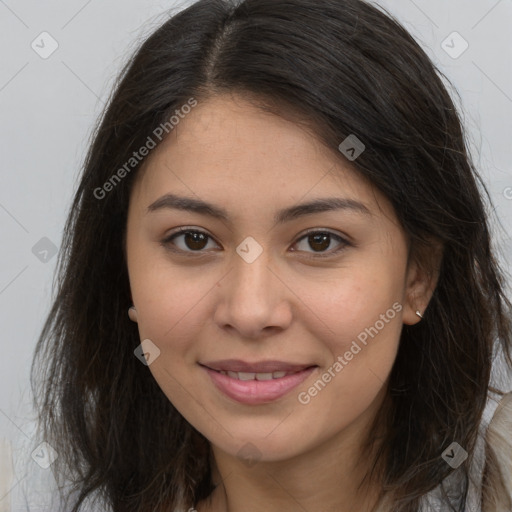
x=172, y=201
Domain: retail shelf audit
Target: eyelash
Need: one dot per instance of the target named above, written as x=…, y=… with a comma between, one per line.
x=168, y=242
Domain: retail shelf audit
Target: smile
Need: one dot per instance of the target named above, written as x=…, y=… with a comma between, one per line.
x=255, y=376
x=257, y=387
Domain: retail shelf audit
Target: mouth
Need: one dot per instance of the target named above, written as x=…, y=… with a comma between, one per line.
x=256, y=383
x=258, y=367
x=254, y=375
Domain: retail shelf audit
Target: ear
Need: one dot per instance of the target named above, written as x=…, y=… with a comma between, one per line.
x=421, y=280
x=132, y=313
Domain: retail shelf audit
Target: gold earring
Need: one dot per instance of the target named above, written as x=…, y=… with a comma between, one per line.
x=419, y=314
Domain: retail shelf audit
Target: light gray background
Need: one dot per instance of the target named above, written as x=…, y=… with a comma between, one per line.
x=49, y=106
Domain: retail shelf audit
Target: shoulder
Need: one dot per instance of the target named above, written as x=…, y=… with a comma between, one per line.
x=497, y=489
x=502, y=419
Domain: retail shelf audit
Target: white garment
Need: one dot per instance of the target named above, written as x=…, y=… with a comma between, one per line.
x=433, y=502
x=25, y=486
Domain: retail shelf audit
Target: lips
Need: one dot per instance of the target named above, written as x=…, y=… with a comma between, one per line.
x=256, y=383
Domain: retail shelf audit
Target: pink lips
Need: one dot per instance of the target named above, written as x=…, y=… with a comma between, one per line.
x=255, y=392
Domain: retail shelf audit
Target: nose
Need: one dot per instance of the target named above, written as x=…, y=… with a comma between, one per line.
x=254, y=300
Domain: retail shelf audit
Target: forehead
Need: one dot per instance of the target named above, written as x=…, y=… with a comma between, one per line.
x=229, y=149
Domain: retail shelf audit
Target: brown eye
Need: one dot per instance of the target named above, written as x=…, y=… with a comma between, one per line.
x=195, y=241
x=188, y=240
x=320, y=242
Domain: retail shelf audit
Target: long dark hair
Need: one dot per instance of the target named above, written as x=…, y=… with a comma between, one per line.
x=342, y=67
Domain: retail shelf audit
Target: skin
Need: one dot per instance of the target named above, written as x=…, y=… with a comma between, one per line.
x=290, y=304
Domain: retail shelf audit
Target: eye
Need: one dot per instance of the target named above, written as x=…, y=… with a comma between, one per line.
x=189, y=240
x=320, y=241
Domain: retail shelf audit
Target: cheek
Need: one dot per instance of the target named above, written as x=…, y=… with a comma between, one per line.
x=359, y=323
x=174, y=307
x=354, y=303
x=362, y=345
x=172, y=314
x=170, y=301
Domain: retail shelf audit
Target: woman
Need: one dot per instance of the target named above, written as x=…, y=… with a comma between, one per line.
x=280, y=196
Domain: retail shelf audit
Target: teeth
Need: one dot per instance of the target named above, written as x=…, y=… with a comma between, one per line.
x=263, y=376
x=246, y=376
x=254, y=376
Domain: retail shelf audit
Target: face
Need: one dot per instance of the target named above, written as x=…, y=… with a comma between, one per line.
x=295, y=280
